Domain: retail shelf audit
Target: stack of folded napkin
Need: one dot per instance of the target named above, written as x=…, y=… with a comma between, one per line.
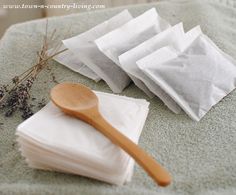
x=51, y=140
x=187, y=71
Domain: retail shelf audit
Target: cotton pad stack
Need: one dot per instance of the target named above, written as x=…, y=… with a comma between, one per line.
x=51, y=140
x=186, y=71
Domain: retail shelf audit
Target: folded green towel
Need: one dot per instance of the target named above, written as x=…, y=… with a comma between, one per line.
x=200, y=155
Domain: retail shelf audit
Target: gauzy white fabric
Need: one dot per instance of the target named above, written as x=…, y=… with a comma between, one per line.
x=131, y=34
x=70, y=60
x=172, y=36
x=196, y=78
x=52, y=140
x=84, y=47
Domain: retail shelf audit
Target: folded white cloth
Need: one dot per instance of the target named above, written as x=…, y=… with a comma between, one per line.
x=54, y=141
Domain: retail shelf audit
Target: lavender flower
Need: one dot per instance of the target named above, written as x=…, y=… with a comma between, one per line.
x=16, y=95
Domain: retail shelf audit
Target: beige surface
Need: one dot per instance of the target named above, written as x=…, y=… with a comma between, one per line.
x=12, y=16
x=106, y=3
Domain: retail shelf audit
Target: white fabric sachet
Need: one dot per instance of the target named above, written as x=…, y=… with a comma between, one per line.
x=52, y=140
x=172, y=36
x=84, y=47
x=196, y=78
x=131, y=34
x=71, y=61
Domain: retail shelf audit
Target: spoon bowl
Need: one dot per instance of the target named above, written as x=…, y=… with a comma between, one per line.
x=79, y=101
x=74, y=97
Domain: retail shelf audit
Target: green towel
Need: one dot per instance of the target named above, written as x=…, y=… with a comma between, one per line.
x=201, y=156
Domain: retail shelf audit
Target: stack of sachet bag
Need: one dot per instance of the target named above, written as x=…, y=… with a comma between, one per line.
x=187, y=71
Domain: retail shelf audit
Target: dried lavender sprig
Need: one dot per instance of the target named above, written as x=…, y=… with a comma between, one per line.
x=29, y=73
x=15, y=95
x=18, y=99
x=19, y=93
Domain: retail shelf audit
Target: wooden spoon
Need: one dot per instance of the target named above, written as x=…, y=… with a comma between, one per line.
x=79, y=101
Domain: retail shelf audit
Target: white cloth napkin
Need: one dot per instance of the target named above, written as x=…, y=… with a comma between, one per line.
x=52, y=140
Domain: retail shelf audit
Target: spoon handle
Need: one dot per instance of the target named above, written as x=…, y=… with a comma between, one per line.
x=155, y=170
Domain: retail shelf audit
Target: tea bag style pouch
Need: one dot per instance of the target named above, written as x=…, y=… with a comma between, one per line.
x=70, y=60
x=131, y=34
x=196, y=78
x=84, y=47
x=173, y=36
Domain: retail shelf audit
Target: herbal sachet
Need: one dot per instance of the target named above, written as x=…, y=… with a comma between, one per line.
x=84, y=47
x=197, y=78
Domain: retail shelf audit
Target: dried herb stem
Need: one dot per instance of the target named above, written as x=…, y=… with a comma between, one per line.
x=15, y=95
